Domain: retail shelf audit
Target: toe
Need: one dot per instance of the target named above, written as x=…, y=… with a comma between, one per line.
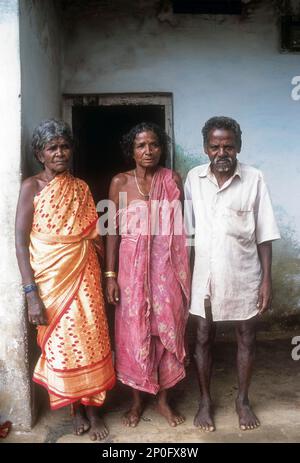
x=133, y=423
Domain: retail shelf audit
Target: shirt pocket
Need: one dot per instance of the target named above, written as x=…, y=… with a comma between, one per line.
x=239, y=224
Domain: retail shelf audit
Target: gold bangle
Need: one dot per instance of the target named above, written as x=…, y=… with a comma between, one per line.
x=110, y=274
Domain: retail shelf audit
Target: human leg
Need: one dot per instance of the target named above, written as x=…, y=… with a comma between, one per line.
x=163, y=407
x=246, y=341
x=133, y=415
x=80, y=421
x=206, y=331
x=98, y=429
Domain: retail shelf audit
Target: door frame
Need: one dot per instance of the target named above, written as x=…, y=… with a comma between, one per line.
x=127, y=99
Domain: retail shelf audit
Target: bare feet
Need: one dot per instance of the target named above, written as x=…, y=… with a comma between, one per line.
x=98, y=430
x=173, y=418
x=247, y=419
x=204, y=417
x=80, y=422
x=133, y=416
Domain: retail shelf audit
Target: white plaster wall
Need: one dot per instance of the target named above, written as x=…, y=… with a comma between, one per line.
x=213, y=67
x=40, y=43
x=14, y=382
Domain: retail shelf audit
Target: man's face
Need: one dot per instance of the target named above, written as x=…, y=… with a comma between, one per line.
x=222, y=150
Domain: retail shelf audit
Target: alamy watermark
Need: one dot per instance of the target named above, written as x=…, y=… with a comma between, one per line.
x=296, y=349
x=158, y=217
x=295, y=94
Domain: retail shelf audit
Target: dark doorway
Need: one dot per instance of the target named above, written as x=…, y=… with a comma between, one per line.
x=98, y=131
x=98, y=157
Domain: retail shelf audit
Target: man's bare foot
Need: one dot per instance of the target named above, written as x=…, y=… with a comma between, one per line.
x=247, y=419
x=204, y=417
x=132, y=417
x=81, y=423
x=98, y=430
x=172, y=417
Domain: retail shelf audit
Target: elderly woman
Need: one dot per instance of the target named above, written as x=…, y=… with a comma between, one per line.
x=151, y=290
x=55, y=244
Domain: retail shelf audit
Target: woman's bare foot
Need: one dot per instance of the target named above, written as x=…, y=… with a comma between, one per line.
x=247, y=419
x=172, y=417
x=98, y=430
x=204, y=417
x=132, y=417
x=81, y=423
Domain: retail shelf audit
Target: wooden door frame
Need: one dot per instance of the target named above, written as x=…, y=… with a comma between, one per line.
x=127, y=99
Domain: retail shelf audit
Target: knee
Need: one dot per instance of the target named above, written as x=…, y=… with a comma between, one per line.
x=246, y=339
x=204, y=337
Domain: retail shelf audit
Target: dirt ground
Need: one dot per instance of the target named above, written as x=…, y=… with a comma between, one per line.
x=275, y=396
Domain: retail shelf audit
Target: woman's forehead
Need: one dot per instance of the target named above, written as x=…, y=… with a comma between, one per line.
x=146, y=134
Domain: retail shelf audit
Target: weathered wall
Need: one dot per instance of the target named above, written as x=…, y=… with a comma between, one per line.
x=29, y=92
x=40, y=52
x=40, y=43
x=14, y=381
x=213, y=66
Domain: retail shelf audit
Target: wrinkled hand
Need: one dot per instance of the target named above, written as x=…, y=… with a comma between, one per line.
x=112, y=291
x=264, y=296
x=36, y=309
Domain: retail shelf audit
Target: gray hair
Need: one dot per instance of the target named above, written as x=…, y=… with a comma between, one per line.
x=47, y=131
x=222, y=122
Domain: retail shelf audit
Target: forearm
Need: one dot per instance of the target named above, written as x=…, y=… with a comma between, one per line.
x=265, y=257
x=34, y=304
x=112, y=245
x=23, y=258
x=98, y=244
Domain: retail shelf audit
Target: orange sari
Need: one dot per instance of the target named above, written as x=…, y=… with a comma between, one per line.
x=76, y=360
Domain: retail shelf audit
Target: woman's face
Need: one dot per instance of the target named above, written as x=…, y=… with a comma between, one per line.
x=56, y=155
x=146, y=149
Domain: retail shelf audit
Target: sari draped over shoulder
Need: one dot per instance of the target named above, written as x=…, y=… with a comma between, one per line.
x=154, y=283
x=76, y=361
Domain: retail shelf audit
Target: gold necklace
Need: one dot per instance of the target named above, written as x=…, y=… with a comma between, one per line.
x=146, y=196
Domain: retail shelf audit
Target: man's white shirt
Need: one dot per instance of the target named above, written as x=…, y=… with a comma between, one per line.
x=227, y=223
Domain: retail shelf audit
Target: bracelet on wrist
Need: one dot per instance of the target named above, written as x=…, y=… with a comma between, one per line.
x=110, y=274
x=29, y=288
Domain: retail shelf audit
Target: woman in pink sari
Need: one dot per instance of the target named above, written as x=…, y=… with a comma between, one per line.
x=151, y=289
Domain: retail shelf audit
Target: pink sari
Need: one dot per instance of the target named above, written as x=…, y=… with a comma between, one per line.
x=154, y=280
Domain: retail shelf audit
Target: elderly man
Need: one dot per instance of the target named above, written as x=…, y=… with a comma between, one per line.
x=229, y=209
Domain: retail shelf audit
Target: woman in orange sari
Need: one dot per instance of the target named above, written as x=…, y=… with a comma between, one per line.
x=56, y=242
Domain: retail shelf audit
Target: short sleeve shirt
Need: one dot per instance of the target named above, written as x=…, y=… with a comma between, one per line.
x=227, y=223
